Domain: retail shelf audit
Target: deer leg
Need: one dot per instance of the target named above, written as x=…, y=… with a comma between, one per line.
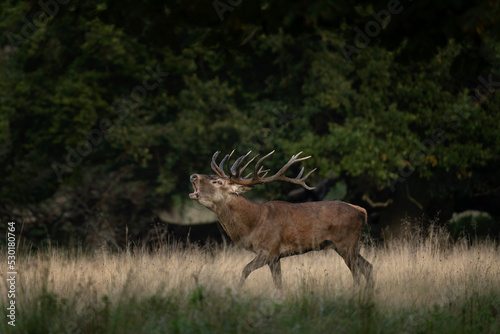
x=350, y=259
x=351, y=263
x=366, y=269
x=275, y=267
x=259, y=261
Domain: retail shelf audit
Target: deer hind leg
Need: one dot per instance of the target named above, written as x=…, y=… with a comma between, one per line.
x=366, y=269
x=358, y=265
x=351, y=259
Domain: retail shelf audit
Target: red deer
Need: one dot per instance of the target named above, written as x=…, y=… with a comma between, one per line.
x=278, y=229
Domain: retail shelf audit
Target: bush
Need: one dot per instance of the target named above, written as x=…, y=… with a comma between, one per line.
x=473, y=225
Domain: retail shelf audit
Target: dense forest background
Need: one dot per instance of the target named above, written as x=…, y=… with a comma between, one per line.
x=107, y=107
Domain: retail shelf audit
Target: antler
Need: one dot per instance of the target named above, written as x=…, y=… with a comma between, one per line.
x=259, y=175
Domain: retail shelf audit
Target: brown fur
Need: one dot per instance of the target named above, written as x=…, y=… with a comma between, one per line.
x=277, y=229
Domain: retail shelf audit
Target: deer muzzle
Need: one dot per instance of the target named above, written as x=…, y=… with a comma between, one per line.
x=196, y=193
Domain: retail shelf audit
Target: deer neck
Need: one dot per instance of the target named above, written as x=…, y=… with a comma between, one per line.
x=238, y=216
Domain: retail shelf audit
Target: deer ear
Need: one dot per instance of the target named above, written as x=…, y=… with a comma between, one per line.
x=239, y=189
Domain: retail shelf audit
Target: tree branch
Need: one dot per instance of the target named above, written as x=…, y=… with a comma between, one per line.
x=373, y=204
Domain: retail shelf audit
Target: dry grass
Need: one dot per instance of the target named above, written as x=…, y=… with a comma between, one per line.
x=405, y=275
x=409, y=275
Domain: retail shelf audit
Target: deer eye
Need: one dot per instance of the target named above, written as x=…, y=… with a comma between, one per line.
x=219, y=182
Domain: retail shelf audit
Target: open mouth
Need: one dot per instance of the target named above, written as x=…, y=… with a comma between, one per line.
x=196, y=193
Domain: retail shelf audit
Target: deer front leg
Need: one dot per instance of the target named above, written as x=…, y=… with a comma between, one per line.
x=259, y=261
x=275, y=267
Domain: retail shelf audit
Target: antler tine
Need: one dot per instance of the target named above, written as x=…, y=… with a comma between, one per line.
x=247, y=164
x=255, y=173
x=301, y=181
x=217, y=169
x=294, y=157
x=280, y=175
x=307, y=175
x=298, y=179
x=265, y=172
x=300, y=173
x=228, y=156
x=221, y=165
x=262, y=171
x=235, y=168
x=290, y=162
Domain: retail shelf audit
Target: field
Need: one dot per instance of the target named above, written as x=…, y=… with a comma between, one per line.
x=422, y=285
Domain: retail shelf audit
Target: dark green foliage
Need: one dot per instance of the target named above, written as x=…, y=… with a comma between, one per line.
x=94, y=129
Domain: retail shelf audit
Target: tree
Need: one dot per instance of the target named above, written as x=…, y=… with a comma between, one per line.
x=110, y=105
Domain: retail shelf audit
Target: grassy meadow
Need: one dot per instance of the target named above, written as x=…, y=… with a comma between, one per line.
x=422, y=285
